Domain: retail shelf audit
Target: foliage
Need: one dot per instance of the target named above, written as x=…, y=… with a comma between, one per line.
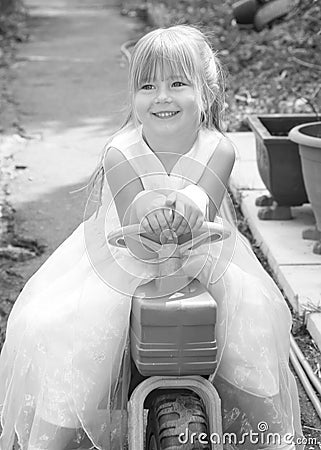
x=12, y=18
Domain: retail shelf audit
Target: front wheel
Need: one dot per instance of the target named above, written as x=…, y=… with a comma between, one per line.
x=177, y=421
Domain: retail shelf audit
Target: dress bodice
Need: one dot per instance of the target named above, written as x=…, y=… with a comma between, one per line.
x=187, y=170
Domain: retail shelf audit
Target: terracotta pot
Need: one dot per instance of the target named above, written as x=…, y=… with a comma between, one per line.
x=308, y=137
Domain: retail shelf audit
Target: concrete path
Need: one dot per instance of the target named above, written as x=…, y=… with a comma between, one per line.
x=71, y=86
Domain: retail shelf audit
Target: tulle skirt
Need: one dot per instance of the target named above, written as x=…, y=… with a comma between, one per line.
x=65, y=365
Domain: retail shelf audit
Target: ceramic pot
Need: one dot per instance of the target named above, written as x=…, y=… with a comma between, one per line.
x=279, y=162
x=308, y=137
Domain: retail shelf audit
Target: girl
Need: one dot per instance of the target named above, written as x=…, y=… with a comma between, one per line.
x=63, y=365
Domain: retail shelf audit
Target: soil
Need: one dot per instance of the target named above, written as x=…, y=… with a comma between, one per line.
x=275, y=70
x=13, y=31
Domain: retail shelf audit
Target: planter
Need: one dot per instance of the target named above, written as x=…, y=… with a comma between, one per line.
x=279, y=163
x=308, y=137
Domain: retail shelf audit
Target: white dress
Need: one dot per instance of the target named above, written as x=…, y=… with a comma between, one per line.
x=68, y=329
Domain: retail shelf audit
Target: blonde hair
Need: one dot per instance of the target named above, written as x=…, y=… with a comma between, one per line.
x=184, y=50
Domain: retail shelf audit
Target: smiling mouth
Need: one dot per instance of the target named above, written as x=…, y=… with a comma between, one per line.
x=165, y=114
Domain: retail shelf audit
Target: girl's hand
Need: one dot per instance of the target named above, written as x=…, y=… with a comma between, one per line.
x=152, y=212
x=188, y=216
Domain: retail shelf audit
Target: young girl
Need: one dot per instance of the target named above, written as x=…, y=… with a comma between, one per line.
x=63, y=365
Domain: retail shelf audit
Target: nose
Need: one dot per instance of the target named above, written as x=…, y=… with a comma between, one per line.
x=163, y=95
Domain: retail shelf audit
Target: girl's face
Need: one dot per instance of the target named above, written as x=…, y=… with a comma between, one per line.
x=167, y=104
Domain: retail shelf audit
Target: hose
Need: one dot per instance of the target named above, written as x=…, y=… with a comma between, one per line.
x=306, y=366
x=124, y=48
x=305, y=382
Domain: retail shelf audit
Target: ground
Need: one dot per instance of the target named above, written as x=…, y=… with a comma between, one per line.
x=13, y=31
x=275, y=70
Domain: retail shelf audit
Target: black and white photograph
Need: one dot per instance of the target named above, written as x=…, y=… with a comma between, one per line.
x=160, y=225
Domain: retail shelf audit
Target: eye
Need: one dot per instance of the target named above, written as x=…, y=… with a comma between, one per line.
x=178, y=84
x=147, y=87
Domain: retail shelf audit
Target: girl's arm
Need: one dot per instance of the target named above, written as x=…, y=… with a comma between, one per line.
x=215, y=178
x=192, y=202
x=125, y=186
x=124, y=183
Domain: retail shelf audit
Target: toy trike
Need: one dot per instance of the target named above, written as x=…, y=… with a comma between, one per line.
x=173, y=349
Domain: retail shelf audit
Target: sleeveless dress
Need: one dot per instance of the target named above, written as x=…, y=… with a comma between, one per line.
x=65, y=361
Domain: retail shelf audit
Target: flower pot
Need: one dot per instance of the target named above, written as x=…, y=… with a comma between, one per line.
x=308, y=137
x=279, y=163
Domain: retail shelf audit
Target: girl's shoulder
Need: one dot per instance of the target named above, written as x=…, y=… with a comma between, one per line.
x=217, y=143
x=124, y=151
x=125, y=137
x=210, y=136
x=227, y=147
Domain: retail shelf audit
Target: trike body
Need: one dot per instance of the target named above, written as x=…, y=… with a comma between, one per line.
x=173, y=352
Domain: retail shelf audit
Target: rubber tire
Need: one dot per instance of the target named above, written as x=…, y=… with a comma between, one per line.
x=271, y=11
x=244, y=11
x=171, y=414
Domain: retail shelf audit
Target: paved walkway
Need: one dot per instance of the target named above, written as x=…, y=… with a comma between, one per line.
x=71, y=86
x=297, y=269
